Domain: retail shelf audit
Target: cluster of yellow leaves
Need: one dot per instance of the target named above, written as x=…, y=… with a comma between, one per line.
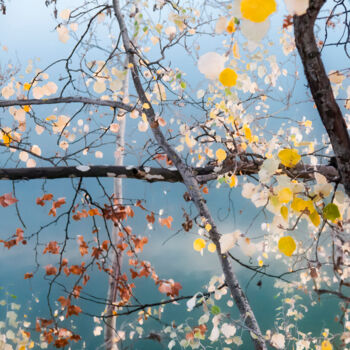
x=7, y=138
x=199, y=244
x=301, y=205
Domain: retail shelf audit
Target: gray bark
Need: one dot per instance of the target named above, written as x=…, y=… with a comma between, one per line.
x=321, y=89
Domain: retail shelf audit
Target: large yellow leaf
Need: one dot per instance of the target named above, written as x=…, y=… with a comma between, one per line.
x=286, y=245
x=221, y=155
x=326, y=345
x=285, y=195
x=228, y=77
x=199, y=244
x=289, y=157
x=257, y=10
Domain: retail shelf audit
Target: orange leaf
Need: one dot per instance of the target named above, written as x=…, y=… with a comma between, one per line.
x=50, y=270
x=166, y=221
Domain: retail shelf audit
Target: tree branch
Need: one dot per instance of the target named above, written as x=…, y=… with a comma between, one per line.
x=69, y=99
x=192, y=185
x=151, y=174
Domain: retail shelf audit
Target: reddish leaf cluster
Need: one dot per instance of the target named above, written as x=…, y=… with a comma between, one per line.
x=201, y=329
x=7, y=199
x=59, y=337
x=52, y=247
x=166, y=221
x=139, y=242
x=15, y=241
x=150, y=218
x=80, y=214
x=170, y=288
x=163, y=157
x=117, y=212
x=45, y=197
x=83, y=247
x=71, y=309
x=287, y=21
x=55, y=204
x=51, y=270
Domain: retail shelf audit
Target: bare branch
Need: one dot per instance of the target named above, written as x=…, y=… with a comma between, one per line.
x=69, y=99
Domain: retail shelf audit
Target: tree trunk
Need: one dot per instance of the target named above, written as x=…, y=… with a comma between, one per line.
x=321, y=89
x=110, y=334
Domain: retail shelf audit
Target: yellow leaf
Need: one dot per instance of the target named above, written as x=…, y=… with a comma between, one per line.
x=233, y=181
x=315, y=218
x=51, y=117
x=284, y=212
x=247, y=133
x=235, y=51
x=211, y=247
x=208, y=227
x=257, y=10
x=289, y=157
x=26, y=86
x=286, y=245
x=7, y=138
x=285, y=195
x=274, y=201
x=326, y=345
x=221, y=155
x=199, y=244
x=228, y=77
x=231, y=28
x=300, y=205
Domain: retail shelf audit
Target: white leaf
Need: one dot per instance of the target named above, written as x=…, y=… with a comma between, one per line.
x=171, y=30
x=246, y=246
x=278, y=341
x=228, y=330
x=204, y=319
x=97, y=331
x=221, y=25
x=320, y=179
x=248, y=190
x=211, y=64
x=64, y=14
x=297, y=7
x=228, y=240
x=191, y=303
x=255, y=31
x=63, y=33
x=171, y=344
x=99, y=86
x=214, y=335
